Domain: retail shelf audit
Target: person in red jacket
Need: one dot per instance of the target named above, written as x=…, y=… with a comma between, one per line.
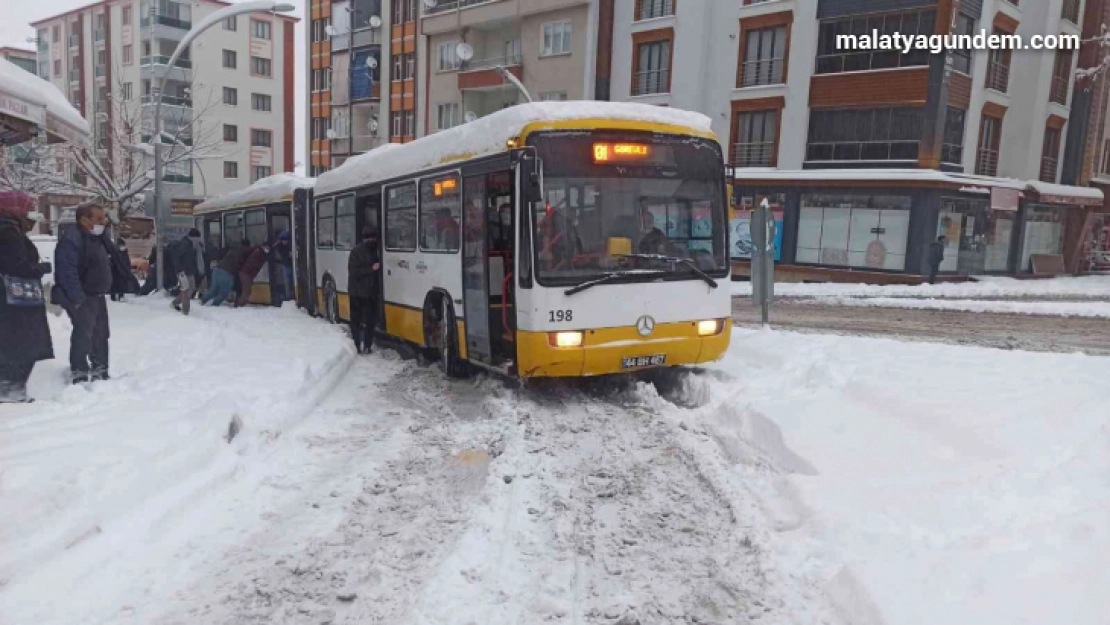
x=256, y=260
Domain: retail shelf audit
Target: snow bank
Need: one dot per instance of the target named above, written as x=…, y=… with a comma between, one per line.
x=923, y=483
x=488, y=135
x=1051, y=309
x=117, y=457
x=1084, y=287
x=276, y=188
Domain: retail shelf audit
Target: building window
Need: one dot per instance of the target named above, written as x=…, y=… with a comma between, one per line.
x=849, y=230
x=854, y=135
x=231, y=59
x=125, y=16
x=990, y=138
x=447, y=115
x=260, y=29
x=396, y=121
x=128, y=54
x=952, y=152
x=320, y=29
x=325, y=224
x=404, y=11
x=831, y=59
x=409, y=128
x=998, y=67
x=553, y=96
x=231, y=96
x=232, y=23
x=1069, y=10
x=56, y=34
x=258, y=172
x=440, y=213
x=44, y=70
x=256, y=226
x=651, y=9
x=756, y=134
x=346, y=220
x=231, y=133
x=653, y=68
x=362, y=76
x=961, y=57
x=1049, y=154
x=261, y=67
x=231, y=169
x=261, y=102
x=57, y=68
x=127, y=91
x=448, y=60
x=764, y=57
x=262, y=138
x=1045, y=233
x=400, y=218
x=1106, y=157
x=556, y=38
x=1061, y=77
x=320, y=127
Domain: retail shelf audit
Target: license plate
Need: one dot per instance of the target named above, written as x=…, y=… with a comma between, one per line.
x=635, y=362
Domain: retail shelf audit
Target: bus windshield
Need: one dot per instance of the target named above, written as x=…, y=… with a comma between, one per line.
x=637, y=204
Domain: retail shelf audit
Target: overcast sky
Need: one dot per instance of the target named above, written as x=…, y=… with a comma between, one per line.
x=15, y=29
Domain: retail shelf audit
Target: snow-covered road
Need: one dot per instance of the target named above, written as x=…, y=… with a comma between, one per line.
x=806, y=479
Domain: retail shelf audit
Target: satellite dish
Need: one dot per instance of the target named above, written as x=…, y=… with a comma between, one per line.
x=464, y=51
x=470, y=116
x=332, y=134
x=430, y=4
x=330, y=30
x=371, y=62
x=375, y=21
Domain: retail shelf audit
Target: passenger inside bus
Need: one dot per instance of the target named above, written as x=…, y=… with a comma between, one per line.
x=652, y=239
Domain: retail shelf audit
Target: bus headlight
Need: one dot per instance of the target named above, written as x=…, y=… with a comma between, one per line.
x=565, y=339
x=710, y=327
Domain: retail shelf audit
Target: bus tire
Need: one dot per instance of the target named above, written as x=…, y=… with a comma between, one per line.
x=448, y=341
x=331, y=301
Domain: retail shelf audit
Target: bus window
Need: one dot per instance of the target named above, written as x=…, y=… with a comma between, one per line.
x=440, y=211
x=345, y=223
x=400, y=218
x=325, y=224
x=233, y=228
x=255, y=223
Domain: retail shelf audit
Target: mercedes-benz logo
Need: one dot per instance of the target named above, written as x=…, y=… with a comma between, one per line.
x=645, y=325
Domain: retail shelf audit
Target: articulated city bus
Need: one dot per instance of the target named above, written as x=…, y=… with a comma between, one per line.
x=545, y=240
x=258, y=214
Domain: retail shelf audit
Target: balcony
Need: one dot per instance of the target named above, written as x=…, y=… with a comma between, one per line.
x=998, y=76
x=98, y=35
x=75, y=74
x=986, y=162
x=451, y=16
x=164, y=60
x=483, y=75
x=454, y=5
x=655, y=81
x=753, y=154
x=101, y=71
x=172, y=22
x=75, y=41
x=764, y=72
x=177, y=179
x=952, y=154
x=1059, y=90
x=181, y=71
x=169, y=100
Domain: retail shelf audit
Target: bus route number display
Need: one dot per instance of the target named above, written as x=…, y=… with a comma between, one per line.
x=621, y=152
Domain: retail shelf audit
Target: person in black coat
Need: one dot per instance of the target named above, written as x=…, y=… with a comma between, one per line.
x=24, y=333
x=188, y=258
x=84, y=277
x=936, y=257
x=123, y=281
x=363, y=276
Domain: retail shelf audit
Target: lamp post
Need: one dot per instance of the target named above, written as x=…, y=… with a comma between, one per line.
x=161, y=218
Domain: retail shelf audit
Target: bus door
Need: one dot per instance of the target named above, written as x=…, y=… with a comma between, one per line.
x=305, y=277
x=278, y=221
x=370, y=217
x=475, y=267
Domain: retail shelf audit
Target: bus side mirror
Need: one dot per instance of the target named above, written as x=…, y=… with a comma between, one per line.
x=532, y=180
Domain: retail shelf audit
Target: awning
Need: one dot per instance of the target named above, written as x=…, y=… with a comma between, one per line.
x=29, y=105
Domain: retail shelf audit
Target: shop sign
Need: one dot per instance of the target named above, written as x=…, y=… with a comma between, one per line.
x=1005, y=199
x=22, y=109
x=183, y=207
x=1068, y=199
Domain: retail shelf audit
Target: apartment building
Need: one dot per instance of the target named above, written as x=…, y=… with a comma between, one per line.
x=25, y=59
x=439, y=66
x=868, y=156
x=229, y=97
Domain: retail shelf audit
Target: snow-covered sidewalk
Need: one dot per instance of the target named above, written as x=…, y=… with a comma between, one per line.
x=1010, y=307
x=1086, y=287
x=127, y=453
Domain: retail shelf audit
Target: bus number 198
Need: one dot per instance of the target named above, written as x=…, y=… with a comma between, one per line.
x=561, y=315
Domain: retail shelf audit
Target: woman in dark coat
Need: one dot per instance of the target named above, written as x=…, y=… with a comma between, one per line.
x=24, y=333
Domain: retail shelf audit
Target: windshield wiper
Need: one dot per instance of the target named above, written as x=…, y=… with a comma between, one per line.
x=674, y=260
x=605, y=278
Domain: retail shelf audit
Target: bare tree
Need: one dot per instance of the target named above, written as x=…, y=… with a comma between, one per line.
x=1090, y=75
x=33, y=168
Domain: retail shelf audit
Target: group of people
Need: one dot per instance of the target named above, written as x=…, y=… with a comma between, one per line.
x=88, y=268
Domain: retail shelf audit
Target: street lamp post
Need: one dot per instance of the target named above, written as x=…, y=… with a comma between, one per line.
x=161, y=218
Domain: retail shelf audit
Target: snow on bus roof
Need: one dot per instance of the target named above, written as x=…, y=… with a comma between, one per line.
x=272, y=189
x=488, y=135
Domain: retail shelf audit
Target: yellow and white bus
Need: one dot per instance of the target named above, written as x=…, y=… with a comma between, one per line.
x=545, y=240
x=258, y=214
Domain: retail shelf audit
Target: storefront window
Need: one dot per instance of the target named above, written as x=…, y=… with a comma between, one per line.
x=741, y=222
x=854, y=230
x=1098, y=244
x=979, y=239
x=1044, y=233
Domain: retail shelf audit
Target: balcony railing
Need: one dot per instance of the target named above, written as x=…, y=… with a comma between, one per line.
x=164, y=60
x=764, y=72
x=1070, y=11
x=169, y=101
x=753, y=154
x=177, y=178
x=651, y=81
x=166, y=20
x=1059, y=92
x=453, y=5
x=998, y=76
x=497, y=61
x=952, y=154
x=986, y=162
x=1048, y=169
x=75, y=41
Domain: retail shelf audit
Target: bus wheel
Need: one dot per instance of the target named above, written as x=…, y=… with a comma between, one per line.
x=331, y=302
x=449, y=361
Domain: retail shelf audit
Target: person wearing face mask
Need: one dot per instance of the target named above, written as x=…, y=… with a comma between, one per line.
x=24, y=333
x=84, y=277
